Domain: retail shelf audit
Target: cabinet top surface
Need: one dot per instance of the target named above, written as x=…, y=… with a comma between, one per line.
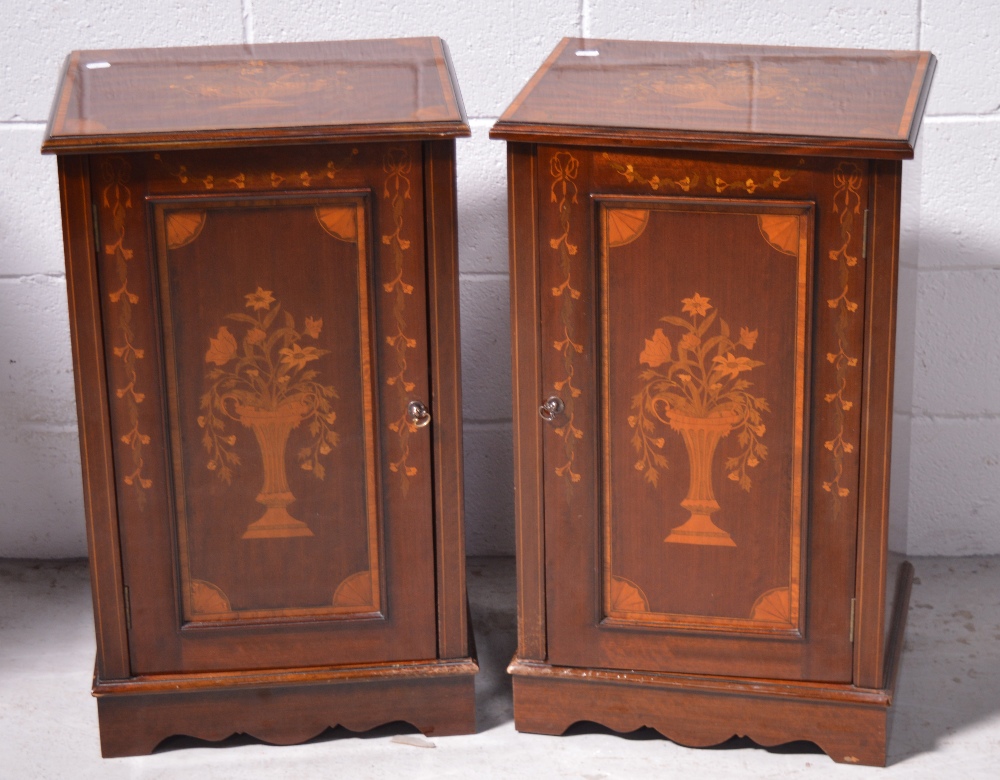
x=719, y=96
x=255, y=93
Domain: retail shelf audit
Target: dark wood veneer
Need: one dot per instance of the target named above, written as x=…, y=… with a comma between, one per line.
x=673, y=573
x=262, y=280
x=719, y=97
x=437, y=698
x=256, y=94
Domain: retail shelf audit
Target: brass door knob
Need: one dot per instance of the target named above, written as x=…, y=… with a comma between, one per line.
x=552, y=406
x=417, y=414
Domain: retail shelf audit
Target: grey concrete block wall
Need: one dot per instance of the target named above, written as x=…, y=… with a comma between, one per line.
x=494, y=45
x=882, y=24
x=37, y=36
x=946, y=460
x=954, y=495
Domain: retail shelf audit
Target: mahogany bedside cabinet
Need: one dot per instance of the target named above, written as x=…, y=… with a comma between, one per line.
x=263, y=286
x=704, y=246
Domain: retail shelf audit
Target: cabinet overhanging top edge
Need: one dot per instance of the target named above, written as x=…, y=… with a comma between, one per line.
x=857, y=102
x=272, y=93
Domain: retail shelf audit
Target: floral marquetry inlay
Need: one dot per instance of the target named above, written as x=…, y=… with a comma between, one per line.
x=396, y=190
x=691, y=179
x=321, y=175
x=274, y=84
x=117, y=197
x=847, y=207
x=263, y=377
x=701, y=392
x=563, y=167
x=749, y=185
x=654, y=182
x=713, y=86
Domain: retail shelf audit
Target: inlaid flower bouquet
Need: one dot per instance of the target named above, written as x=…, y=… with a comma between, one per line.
x=262, y=379
x=701, y=392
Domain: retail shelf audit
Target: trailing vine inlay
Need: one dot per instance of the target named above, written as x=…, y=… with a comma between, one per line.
x=255, y=180
x=693, y=180
x=117, y=197
x=396, y=189
x=655, y=182
x=564, y=168
x=847, y=206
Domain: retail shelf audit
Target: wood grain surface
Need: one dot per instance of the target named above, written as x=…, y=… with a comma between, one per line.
x=276, y=533
x=701, y=95
x=611, y=521
x=704, y=249
x=277, y=93
x=436, y=697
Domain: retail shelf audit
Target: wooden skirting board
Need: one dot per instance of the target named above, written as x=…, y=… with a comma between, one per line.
x=848, y=723
x=285, y=708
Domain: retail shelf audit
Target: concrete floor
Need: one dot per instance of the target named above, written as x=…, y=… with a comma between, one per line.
x=947, y=711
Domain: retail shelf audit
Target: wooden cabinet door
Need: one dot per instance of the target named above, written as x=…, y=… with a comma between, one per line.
x=701, y=328
x=265, y=320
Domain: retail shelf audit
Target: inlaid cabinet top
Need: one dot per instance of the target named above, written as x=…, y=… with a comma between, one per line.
x=717, y=96
x=255, y=93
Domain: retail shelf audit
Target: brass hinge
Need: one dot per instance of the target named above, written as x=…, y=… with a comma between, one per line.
x=128, y=610
x=97, y=231
x=854, y=603
x=864, y=238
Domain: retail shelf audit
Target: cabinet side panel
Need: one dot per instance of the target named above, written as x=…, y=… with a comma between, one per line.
x=876, y=403
x=446, y=396
x=95, y=427
x=526, y=351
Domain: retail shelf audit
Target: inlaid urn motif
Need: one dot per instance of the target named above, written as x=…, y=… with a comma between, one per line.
x=264, y=382
x=699, y=393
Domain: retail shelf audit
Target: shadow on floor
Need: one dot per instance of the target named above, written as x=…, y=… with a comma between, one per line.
x=493, y=602
x=736, y=743
x=948, y=682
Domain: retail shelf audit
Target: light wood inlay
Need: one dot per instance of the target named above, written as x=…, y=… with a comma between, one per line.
x=684, y=390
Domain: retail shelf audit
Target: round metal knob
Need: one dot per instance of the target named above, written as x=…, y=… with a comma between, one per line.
x=552, y=406
x=417, y=414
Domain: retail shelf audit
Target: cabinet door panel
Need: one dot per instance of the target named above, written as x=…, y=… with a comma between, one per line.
x=275, y=501
x=699, y=493
x=271, y=391
x=704, y=323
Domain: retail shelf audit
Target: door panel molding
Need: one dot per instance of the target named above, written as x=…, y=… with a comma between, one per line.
x=707, y=418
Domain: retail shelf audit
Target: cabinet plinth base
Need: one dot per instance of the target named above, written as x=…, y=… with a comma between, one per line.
x=548, y=700
x=285, y=708
x=848, y=723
